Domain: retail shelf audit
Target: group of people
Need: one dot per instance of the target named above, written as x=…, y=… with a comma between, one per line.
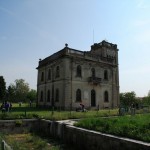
x=6, y=106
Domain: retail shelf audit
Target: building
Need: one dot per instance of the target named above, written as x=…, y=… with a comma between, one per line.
x=70, y=77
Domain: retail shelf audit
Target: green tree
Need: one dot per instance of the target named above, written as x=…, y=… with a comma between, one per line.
x=127, y=99
x=20, y=90
x=11, y=93
x=146, y=100
x=2, y=88
x=32, y=95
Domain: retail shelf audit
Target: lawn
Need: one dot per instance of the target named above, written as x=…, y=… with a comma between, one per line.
x=32, y=112
x=28, y=141
x=135, y=127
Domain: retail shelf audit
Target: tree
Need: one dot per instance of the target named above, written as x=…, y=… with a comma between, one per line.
x=20, y=90
x=32, y=95
x=149, y=93
x=11, y=93
x=2, y=88
x=128, y=98
x=146, y=100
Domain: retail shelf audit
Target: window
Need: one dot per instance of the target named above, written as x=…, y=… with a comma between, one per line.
x=49, y=74
x=42, y=76
x=93, y=98
x=48, y=96
x=78, y=95
x=93, y=72
x=78, y=71
x=57, y=72
x=105, y=75
x=106, y=98
x=41, y=96
x=57, y=95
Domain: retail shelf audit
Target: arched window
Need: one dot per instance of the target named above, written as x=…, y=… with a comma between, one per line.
x=78, y=95
x=93, y=98
x=93, y=72
x=106, y=97
x=48, y=96
x=105, y=75
x=49, y=74
x=42, y=76
x=41, y=96
x=57, y=71
x=57, y=95
x=79, y=71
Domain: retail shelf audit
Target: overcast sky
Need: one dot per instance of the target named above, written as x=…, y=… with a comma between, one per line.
x=33, y=29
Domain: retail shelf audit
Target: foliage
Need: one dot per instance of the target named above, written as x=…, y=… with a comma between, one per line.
x=148, y=93
x=11, y=93
x=2, y=88
x=31, y=95
x=137, y=127
x=128, y=98
x=146, y=100
x=18, y=91
x=26, y=141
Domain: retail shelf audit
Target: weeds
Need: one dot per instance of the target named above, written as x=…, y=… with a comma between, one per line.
x=136, y=127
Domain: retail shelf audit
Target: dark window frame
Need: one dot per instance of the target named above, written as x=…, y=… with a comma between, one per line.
x=105, y=74
x=49, y=74
x=78, y=95
x=79, y=71
x=57, y=95
x=106, y=96
x=48, y=96
x=57, y=72
x=93, y=72
x=41, y=96
x=42, y=76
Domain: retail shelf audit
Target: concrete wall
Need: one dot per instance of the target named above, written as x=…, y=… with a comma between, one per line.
x=77, y=137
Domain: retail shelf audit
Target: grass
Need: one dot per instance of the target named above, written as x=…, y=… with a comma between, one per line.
x=29, y=141
x=32, y=112
x=135, y=127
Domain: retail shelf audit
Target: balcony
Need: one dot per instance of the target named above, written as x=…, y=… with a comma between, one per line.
x=94, y=80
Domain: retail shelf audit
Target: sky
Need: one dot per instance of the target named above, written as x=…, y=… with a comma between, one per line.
x=34, y=29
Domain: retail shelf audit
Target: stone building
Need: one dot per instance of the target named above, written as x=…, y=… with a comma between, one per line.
x=70, y=77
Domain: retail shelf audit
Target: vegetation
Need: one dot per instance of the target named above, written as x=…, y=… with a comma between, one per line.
x=135, y=127
x=25, y=111
x=28, y=141
x=127, y=99
x=2, y=87
x=16, y=92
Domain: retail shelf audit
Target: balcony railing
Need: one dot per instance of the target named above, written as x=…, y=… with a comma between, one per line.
x=94, y=80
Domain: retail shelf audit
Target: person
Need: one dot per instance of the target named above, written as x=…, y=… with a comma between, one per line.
x=3, y=107
x=7, y=106
x=82, y=107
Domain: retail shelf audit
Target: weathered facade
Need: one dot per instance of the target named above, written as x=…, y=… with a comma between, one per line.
x=70, y=77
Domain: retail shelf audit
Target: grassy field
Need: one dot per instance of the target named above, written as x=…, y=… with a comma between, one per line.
x=28, y=141
x=32, y=112
x=135, y=127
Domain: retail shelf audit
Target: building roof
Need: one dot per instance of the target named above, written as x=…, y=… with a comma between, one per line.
x=66, y=51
